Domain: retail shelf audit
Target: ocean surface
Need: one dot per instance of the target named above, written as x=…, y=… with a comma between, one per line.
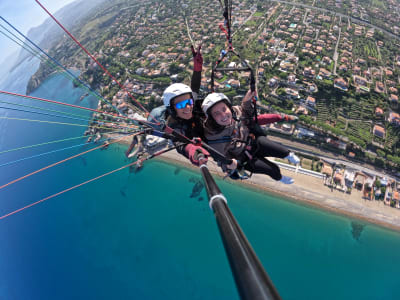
x=150, y=234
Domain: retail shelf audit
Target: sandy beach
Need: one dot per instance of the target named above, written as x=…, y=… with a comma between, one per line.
x=309, y=191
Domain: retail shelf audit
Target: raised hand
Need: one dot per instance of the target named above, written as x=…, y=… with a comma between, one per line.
x=197, y=59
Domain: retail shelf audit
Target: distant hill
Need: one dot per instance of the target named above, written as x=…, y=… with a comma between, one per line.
x=46, y=34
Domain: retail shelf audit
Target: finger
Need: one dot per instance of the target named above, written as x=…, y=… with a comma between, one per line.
x=193, y=52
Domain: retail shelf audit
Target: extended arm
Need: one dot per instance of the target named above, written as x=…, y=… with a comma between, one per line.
x=197, y=68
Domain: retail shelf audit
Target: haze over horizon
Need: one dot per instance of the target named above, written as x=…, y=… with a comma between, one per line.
x=24, y=15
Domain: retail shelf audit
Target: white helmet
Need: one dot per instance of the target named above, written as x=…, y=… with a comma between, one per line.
x=173, y=91
x=212, y=99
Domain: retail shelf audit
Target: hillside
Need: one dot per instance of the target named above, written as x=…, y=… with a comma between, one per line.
x=49, y=33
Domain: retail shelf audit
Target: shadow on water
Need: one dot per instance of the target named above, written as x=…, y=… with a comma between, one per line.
x=83, y=160
x=197, y=188
x=356, y=230
x=122, y=192
x=200, y=199
x=177, y=170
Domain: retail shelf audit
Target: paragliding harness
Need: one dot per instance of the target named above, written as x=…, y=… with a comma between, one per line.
x=247, y=158
x=255, y=129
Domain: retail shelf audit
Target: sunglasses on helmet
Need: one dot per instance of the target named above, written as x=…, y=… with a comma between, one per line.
x=184, y=103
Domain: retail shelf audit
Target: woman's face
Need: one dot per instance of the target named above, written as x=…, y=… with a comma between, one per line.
x=185, y=108
x=221, y=114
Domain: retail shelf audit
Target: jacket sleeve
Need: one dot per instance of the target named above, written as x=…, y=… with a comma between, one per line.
x=196, y=81
x=268, y=118
x=180, y=147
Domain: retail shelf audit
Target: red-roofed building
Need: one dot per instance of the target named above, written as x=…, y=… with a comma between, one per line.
x=379, y=87
x=341, y=84
x=309, y=72
x=379, y=111
x=388, y=72
x=351, y=154
x=394, y=98
x=310, y=101
x=392, y=89
x=379, y=131
x=396, y=198
x=324, y=73
x=394, y=118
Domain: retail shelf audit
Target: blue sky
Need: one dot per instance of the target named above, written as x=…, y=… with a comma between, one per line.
x=24, y=14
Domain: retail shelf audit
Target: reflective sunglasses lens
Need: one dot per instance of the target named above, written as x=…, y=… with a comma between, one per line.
x=184, y=103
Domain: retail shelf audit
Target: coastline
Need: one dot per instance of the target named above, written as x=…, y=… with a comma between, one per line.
x=306, y=192
x=313, y=194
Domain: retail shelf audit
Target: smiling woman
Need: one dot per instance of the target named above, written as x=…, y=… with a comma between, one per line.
x=184, y=106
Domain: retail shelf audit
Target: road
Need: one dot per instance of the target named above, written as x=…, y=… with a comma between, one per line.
x=328, y=156
x=336, y=55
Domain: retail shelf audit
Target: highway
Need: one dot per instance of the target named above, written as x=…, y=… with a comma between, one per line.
x=328, y=156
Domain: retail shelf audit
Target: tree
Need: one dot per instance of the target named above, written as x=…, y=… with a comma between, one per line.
x=174, y=68
x=283, y=75
x=379, y=162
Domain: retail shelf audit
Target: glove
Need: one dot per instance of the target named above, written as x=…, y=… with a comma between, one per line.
x=289, y=119
x=197, y=59
x=195, y=152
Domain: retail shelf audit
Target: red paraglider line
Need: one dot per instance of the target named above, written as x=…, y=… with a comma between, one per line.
x=65, y=104
x=64, y=191
x=60, y=162
x=76, y=106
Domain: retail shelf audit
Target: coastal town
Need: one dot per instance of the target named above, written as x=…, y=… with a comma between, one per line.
x=331, y=63
x=161, y=149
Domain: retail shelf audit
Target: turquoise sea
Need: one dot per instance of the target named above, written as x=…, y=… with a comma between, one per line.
x=149, y=235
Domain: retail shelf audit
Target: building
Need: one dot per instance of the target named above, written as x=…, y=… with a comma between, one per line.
x=310, y=101
x=349, y=178
x=394, y=118
x=379, y=112
x=359, y=181
x=336, y=143
x=360, y=80
x=273, y=82
x=338, y=177
x=324, y=73
x=292, y=93
x=379, y=87
x=341, y=84
x=394, y=98
x=379, y=131
x=309, y=72
x=327, y=169
x=301, y=110
x=292, y=79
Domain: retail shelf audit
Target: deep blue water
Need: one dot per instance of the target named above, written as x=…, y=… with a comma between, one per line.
x=146, y=235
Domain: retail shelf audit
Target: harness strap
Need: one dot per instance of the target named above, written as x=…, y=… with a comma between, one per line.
x=224, y=139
